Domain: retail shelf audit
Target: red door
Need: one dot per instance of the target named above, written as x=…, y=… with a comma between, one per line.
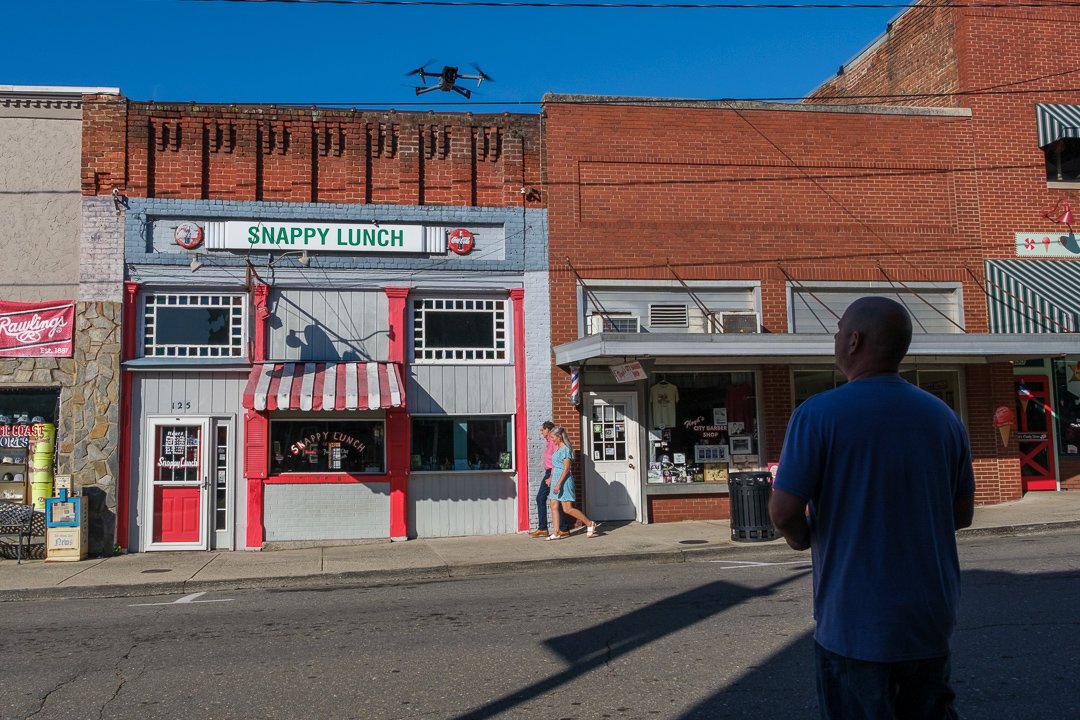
x=178, y=489
x=1034, y=433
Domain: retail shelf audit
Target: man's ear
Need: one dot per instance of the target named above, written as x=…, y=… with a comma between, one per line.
x=855, y=342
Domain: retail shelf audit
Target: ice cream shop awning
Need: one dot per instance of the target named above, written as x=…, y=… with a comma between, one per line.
x=324, y=386
x=1033, y=296
x=1056, y=122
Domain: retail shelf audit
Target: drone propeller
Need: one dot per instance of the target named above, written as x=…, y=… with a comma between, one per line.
x=421, y=71
x=481, y=75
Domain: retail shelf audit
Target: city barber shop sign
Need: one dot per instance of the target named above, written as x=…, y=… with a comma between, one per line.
x=360, y=238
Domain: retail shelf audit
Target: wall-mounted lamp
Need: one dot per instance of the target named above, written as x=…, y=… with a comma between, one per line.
x=302, y=257
x=196, y=263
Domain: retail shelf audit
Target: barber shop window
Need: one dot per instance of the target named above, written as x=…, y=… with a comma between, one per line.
x=1063, y=160
x=460, y=330
x=327, y=446
x=458, y=444
x=193, y=326
x=1067, y=381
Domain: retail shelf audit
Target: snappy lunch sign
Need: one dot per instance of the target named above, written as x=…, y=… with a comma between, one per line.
x=360, y=238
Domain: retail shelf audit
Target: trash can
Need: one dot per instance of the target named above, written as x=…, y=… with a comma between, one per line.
x=748, y=494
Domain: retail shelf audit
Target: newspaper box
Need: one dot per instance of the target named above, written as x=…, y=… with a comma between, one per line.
x=65, y=528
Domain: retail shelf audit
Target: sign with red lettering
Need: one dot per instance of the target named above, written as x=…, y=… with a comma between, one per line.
x=37, y=329
x=461, y=241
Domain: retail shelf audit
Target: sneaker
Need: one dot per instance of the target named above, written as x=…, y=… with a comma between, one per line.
x=555, y=536
x=591, y=530
x=540, y=532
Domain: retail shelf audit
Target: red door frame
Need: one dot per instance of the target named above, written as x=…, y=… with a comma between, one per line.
x=1029, y=401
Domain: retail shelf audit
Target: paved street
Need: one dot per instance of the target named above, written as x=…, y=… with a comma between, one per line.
x=693, y=640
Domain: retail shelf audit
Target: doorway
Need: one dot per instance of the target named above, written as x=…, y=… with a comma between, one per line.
x=188, y=479
x=611, y=463
x=1034, y=433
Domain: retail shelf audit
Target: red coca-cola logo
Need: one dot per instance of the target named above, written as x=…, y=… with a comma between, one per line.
x=461, y=241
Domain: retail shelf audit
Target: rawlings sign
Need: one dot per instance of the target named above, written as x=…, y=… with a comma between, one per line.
x=36, y=329
x=461, y=241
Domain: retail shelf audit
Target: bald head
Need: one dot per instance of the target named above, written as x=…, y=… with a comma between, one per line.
x=873, y=336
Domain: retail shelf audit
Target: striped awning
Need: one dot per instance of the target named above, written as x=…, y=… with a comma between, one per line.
x=1056, y=122
x=1033, y=296
x=324, y=386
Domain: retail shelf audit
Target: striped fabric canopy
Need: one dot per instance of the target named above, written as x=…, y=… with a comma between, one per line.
x=1056, y=122
x=1033, y=296
x=324, y=386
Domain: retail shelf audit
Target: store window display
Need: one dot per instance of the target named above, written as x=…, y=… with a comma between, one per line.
x=327, y=446
x=1067, y=382
x=703, y=425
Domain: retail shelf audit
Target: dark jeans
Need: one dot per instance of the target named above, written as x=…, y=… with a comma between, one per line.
x=851, y=689
x=542, y=506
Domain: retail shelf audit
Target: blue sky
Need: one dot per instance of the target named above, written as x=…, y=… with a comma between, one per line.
x=181, y=50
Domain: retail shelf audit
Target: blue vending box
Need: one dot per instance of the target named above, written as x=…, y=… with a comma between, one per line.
x=65, y=528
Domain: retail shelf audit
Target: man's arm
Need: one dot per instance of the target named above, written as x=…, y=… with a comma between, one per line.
x=963, y=511
x=788, y=514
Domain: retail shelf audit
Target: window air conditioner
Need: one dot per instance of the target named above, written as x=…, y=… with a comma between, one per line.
x=614, y=322
x=739, y=322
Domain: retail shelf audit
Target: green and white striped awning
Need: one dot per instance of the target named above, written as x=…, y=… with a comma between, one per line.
x=1033, y=296
x=1056, y=122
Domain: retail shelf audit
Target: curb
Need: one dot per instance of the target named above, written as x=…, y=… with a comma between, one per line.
x=435, y=573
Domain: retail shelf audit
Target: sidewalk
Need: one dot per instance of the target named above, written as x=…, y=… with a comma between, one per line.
x=381, y=561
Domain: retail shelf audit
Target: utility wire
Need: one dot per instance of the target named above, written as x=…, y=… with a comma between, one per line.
x=660, y=6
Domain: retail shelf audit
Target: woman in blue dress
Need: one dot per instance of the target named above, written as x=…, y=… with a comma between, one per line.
x=562, y=487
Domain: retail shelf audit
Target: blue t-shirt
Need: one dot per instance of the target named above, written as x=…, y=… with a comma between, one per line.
x=880, y=462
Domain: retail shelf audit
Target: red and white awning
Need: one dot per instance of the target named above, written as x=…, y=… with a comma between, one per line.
x=324, y=386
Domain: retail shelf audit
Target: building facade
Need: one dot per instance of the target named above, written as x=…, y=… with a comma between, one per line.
x=59, y=341
x=1025, y=153
x=334, y=323
x=711, y=248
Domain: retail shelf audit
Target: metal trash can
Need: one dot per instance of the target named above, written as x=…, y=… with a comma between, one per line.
x=748, y=494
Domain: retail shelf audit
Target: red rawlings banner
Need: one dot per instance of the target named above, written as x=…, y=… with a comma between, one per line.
x=36, y=329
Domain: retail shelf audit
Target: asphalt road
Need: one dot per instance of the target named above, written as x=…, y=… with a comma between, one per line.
x=700, y=640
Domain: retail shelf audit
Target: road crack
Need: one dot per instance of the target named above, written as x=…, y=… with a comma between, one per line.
x=46, y=696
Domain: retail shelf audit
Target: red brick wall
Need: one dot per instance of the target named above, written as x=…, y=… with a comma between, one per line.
x=671, y=508
x=310, y=155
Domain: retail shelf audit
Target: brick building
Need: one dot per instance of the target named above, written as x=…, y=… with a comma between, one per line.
x=716, y=244
x=334, y=321
x=1015, y=70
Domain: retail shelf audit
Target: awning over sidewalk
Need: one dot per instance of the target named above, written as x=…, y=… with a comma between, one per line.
x=1056, y=122
x=1034, y=296
x=791, y=348
x=324, y=386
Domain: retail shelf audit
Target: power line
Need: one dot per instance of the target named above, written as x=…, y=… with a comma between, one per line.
x=661, y=6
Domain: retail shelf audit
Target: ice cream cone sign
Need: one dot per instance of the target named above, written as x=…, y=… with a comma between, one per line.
x=1004, y=421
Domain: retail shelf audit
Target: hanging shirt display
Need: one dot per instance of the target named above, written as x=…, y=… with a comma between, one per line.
x=664, y=397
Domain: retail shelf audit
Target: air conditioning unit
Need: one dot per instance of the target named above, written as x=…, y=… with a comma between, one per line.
x=739, y=322
x=699, y=322
x=614, y=323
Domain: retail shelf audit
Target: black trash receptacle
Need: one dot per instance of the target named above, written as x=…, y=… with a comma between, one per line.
x=748, y=493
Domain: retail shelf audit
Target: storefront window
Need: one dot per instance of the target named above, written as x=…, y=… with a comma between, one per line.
x=462, y=443
x=327, y=446
x=1067, y=382
x=944, y=384
x=702, y=426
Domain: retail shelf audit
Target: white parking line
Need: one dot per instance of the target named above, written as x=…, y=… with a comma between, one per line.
x=186, y=600
x=731, y=564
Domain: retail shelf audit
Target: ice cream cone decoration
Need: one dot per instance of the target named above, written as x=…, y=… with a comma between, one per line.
x=1024, y=399
x=1004, y=421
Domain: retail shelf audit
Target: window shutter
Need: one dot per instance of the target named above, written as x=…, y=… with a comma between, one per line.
x=256, y=445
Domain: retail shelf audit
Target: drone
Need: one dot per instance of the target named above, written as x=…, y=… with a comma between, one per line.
x=447, y=79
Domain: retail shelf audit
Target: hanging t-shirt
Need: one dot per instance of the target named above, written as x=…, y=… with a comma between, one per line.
x=664, y=396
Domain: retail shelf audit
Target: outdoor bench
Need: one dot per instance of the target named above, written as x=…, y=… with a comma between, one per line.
x=20, y=522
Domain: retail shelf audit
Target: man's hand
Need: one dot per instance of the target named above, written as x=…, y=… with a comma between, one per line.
x=788, y=514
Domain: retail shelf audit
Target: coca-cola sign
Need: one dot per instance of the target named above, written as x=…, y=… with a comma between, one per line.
x=36, y=329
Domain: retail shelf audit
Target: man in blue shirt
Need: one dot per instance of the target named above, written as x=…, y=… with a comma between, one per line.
x=885, y=469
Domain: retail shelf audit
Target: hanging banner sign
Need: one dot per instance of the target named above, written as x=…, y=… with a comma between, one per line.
x=628, y=372
x=37, y=329
x=1044, y=245
x=362, y=238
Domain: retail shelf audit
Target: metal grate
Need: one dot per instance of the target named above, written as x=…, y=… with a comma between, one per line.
x=668, y=316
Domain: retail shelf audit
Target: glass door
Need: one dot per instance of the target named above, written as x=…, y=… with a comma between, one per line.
x=177, y=484
x=1034, y=436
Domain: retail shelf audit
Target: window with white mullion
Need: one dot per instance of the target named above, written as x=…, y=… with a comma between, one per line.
x=460, y=330
x=193, y=325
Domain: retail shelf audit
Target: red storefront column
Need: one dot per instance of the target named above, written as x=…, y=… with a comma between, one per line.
x=521, y=427
x=397, y=422
x=129, y=324
x=257, y=431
